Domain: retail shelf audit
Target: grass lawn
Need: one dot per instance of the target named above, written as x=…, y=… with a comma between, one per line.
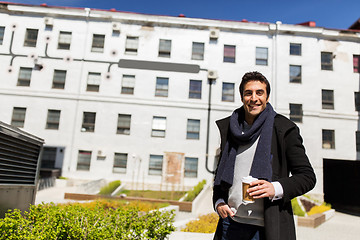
x=167, y=195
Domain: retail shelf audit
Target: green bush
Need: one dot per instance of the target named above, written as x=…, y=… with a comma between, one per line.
x=108, y=189
x=205, y=224
x=191, y=195
x=74, y=221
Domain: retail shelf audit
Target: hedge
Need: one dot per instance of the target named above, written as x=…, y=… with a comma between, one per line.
x=76, y=221
x=108, y=189
x=191, y=195
x=205, y=224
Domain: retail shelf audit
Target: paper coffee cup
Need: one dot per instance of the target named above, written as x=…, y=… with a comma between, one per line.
x=245, y=186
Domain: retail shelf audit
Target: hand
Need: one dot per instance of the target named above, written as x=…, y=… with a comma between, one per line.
x=224, y=210
x=261, y=189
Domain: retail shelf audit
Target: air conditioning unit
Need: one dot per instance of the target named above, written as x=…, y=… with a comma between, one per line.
x=48, y=21
x=115, y=26
x=212, y=74
x=214, y=33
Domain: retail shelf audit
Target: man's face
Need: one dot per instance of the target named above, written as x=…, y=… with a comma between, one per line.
x=254, y=99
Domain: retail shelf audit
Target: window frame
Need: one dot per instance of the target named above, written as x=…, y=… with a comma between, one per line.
x=131, y=45
x=123, y=129
x=84, y=165
x=294, y=78
x=120, y=162
x=189, y=171
x=296, y=115
x=59, y=79
x=295, y=49
x=2, y=34
x=53, y=122
x=327, y=66
x=24, y=82
x=197, y=51
x=195, y=89
x=93, y=82
x=64, y=40
x=229, y=53
x=31, y=36
x=158, y=128
x=357, y=101
x=128, y=84
x=164, y=48
x=161, y=89
x=18, y=118
x=357, y=141
x=156, y=168
x=224, y=94
x=259, y=59
x=356, y=63
x=98, y=43
x=193, y=129
x=328, y=139
x=88, y=122
x=327, y=101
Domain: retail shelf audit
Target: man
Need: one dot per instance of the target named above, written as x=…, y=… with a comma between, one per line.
x=258, y=142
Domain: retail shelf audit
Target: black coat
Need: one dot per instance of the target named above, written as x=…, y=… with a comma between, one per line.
x=288, y=157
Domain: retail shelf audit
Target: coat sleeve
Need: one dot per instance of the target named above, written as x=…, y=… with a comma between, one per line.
x=302, y=177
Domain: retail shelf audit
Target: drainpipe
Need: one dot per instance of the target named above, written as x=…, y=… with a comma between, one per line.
x=211, y=81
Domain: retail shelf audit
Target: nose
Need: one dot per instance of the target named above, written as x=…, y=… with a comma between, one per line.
x=253, y=97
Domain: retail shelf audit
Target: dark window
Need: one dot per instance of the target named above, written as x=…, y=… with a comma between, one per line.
x=64, y=40
x=326, y=61
x=131, y=46
x=88, y=124
x=296, y=113
x=357, y=101
x=158, y=127
x=2, y=32
x=84, y=159
x=162, y=87
x=197, y=51
x=295, y=49
x=261, y=56
x=18, y=117
x=328, y=139
x=358, y=141
x=193, y=129
x=356, y=62
x=24, y=77
x=120, y=162
x=48, y=157
x=59, y=79
x=128, y=84
x=93, y=82
x=227, y=92
x=327, y=99
x=155, y=165
x=98, y=43
x=53, y=119
x=229, y=53
x=123, y=126
x=31, y=37
x=295, y=74
x=191, y=167
x=195, y=89
x=164, y=48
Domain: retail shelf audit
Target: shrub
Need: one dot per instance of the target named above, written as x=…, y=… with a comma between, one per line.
x=191, y=195
x=76, y=221
x=205, y=224
x=296, y=208
x=108, y=189
x=319, y=209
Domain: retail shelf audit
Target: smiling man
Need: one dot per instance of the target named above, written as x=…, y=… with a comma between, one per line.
x=258, y=142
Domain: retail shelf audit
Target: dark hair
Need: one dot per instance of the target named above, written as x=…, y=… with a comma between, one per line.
x=254, y=76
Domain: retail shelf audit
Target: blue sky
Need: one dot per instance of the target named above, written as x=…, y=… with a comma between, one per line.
x=338, y=14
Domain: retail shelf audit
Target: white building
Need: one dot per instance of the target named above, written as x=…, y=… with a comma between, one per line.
x=112, y=92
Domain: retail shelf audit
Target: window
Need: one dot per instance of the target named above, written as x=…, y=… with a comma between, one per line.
x=131, y=46
x=357, y=101
x=162, y=87
x=30, y=37
x=123, y=126
x=229, y=53
x=24, y=77
x=328, y=139
x=193, y=129
x=326, y=61
x=84, y=159
x=358, y=141
x=155, y=165
x=120, y=162
x=191, y=167
x=356, y=62
x=53, y=119
x=158, y=127
x=295, y=74
x=93, y=82
x=164, y=48
x=98, y=43
x=2, y=32
x=18, y=117
x=261, y=56
x=327, y=99
x=227, y=92
x=195, y=89
x=128, y=84
x=296, y=113
x=88, y=124
x=295, y=49
x=59, y=79
x=197, y=51
x=65, y=40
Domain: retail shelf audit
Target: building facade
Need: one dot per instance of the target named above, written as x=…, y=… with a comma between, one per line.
x=129, y=96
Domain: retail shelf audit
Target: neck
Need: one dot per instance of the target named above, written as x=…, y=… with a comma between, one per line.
x=249, y=119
